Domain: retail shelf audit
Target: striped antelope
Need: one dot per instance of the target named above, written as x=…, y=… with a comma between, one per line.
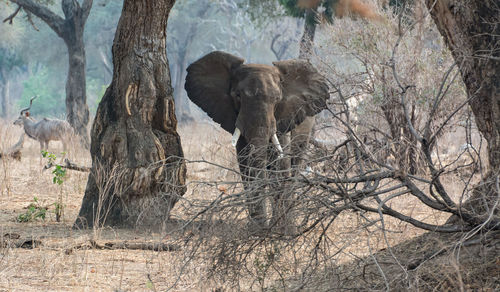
x=45, y=130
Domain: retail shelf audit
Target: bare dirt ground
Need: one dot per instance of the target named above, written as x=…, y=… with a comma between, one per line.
x=59, y=263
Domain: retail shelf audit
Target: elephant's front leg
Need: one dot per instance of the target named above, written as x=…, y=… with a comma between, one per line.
x=252, y=162
x=300, y=137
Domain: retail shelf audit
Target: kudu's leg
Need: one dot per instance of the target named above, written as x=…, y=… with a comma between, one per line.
x=42, y=149
x=65, y=148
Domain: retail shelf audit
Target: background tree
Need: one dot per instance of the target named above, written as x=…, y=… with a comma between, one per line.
x=137, y=170
x=70, y=29
x=188, y=18
x=309, y=11
x=471, y=29
x=199, y=27
x=10, y=60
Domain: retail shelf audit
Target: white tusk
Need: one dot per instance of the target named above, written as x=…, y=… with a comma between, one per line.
x=236, y=136
x=276, y=143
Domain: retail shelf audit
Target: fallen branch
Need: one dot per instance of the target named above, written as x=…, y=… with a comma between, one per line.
x=11, y=240
x=69, y=165
x=154, y=246
x=73, y=166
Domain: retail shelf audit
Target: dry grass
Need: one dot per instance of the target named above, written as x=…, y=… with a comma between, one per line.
x=51, y=266
x=55, y=267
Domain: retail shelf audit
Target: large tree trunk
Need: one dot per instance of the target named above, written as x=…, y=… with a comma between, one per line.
x=137, y=169
x=471, y=29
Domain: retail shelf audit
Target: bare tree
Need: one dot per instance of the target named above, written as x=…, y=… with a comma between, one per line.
x=181, y=45
x=283, y=36
x=135, y=129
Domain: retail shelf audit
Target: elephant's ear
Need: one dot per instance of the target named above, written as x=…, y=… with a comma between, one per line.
x=208, y=85
x=305, y=92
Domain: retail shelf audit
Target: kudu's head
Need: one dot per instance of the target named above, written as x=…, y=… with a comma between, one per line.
x=24, y=114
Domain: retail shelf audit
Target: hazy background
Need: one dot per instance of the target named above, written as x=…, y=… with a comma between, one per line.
x=36, y=62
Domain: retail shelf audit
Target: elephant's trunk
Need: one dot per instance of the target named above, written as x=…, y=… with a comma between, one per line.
x=275, y=140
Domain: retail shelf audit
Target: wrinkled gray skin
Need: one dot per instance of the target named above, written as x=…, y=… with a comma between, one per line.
x=260, y=101
x=45, y=130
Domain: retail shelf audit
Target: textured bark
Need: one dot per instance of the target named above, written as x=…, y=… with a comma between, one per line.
x=471, y=29
x=70, y=29
x=137, y=172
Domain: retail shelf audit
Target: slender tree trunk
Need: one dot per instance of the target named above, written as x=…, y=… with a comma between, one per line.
x=471, y=29
x=6, y=99
x=300, y=136
x=403, y=141
x=307, y=40
x=137, y=169
x=77, y=111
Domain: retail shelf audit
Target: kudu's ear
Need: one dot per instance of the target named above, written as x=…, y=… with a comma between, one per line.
x=208, y=85
x=305, y=92
x=27, y=114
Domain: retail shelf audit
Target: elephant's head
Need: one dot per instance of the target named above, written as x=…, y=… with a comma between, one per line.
x=256, y=101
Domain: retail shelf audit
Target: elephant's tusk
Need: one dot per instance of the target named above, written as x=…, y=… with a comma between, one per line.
x=236, y=136
x=276, y=143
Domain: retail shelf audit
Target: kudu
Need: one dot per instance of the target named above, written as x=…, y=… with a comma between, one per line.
x=45, y=130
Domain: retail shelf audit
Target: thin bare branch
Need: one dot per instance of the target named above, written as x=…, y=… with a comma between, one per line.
x=10, y=18
x=53, y=20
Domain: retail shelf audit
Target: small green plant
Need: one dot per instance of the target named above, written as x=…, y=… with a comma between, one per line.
x=34, y=212
x=59, y=174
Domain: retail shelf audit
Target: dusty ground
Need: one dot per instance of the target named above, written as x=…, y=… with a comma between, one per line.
x=55, y=266
x=51, y=266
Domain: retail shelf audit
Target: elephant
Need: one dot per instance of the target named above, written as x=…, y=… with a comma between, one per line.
x=259, y=104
